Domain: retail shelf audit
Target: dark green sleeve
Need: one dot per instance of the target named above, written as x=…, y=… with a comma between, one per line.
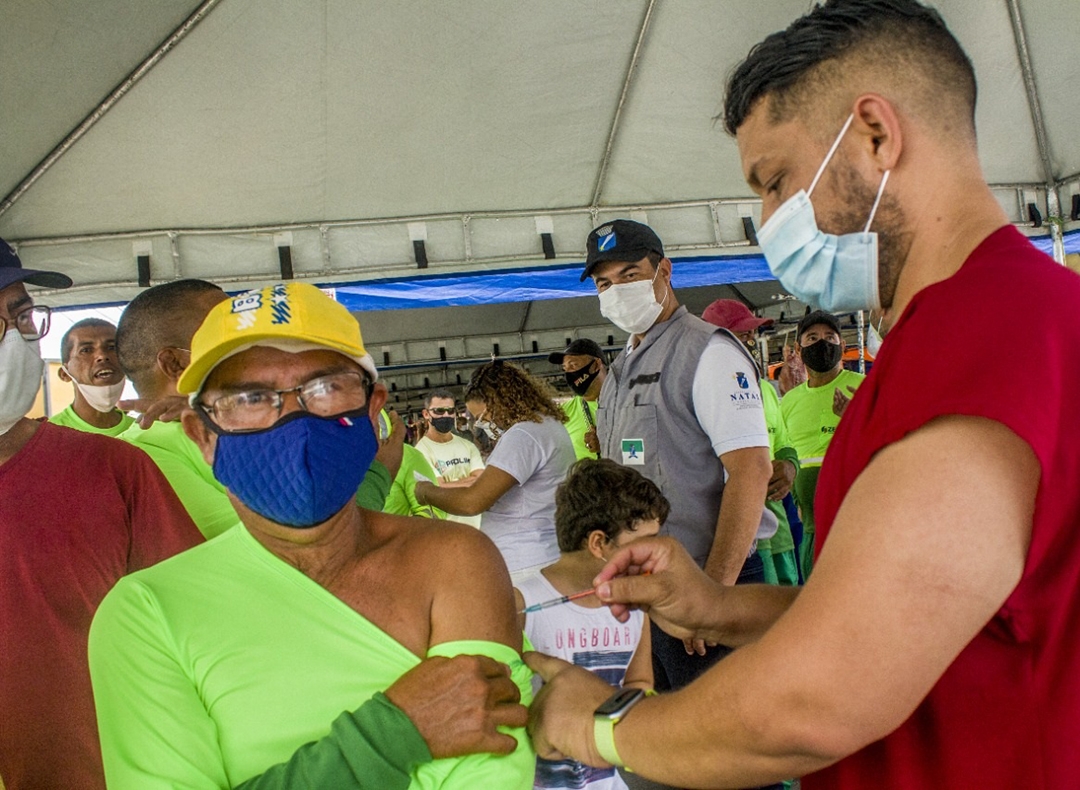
x=788, y=454
x=375, y=747
x=376, y=487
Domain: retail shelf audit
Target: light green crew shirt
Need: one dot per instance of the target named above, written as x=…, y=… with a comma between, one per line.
x=577, y=425
x=781, y=449
x=808, y=414
x=402, y=497
x=69, y=419
x=223, y=661
x=180, y=460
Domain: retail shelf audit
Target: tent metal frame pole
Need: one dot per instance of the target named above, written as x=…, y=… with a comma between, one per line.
x=108, y=102
x=1042, y=140
x=601, y=175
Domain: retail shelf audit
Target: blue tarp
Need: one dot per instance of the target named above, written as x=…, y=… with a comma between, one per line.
x=1046, y=244
x=525, y=285
x=559, y=282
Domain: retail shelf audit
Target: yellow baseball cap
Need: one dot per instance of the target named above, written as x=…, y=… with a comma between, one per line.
x=291, y=316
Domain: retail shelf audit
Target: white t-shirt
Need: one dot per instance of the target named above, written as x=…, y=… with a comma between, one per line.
x=728, y=407
x=453, y=460
x=522, y=521
x=590, y=638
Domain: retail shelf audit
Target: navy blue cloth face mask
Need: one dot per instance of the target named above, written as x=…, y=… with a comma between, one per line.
x=300, y=471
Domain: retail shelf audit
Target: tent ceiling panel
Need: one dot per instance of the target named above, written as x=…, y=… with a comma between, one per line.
x=669, y=147
x=1007, y=146
x=1052, y=27
x=224, y=130
x=60, y=59
x=468, y=106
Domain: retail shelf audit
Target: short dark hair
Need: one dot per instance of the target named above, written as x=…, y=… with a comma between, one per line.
x=66, y=342
x=904, y=33
x=154, y=320
x=602, y=495
x=441, y=394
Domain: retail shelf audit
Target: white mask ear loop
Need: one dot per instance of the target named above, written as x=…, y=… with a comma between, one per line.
x=829, y=156
x=877, y=201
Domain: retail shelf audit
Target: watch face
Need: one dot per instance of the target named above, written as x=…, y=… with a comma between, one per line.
x=618, y=703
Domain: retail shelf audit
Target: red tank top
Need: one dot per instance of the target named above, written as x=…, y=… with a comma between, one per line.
x=1001, y=340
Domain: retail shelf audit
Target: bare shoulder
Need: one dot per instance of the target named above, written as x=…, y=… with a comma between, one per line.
x=443, y=540
x=453, y=550
x=471, y=594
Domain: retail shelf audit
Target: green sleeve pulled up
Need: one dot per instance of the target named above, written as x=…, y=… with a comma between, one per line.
x=375, y=747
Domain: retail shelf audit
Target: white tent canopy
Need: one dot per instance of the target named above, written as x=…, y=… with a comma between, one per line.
x=206, y=136
x=347, y=128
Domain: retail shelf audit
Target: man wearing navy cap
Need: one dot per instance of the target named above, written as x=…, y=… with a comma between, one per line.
x=77, y=512
x=681, y=403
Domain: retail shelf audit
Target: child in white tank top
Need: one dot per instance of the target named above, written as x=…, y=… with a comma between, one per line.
x=600, y=507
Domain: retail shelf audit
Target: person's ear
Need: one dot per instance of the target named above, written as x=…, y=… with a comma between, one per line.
x=596, y=542
x=171, y=363
x=665, y=269
x=196, y=430
x=63, y=375
x=376, y=402
x=877, y=128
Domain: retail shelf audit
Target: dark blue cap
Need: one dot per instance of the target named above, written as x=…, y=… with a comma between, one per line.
x=12, y=271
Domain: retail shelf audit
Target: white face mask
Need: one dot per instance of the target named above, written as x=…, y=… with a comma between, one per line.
x=101, y=397
x=632, y=306
x=21, y=367
x=487, y=426
x=874, y=339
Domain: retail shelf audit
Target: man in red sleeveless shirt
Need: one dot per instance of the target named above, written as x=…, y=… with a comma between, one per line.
x=935, y=641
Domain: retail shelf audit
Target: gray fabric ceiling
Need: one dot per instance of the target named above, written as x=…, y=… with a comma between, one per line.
x=342, y=120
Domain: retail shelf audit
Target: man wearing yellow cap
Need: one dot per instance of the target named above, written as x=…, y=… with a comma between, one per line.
x=231, y=666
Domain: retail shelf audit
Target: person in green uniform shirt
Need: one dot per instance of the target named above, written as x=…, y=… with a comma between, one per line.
x=88, y=361
x=778, y=552
x=231, y=666
x=812, y=411
x=153, y=342
x=401, y=500
x=583, y=365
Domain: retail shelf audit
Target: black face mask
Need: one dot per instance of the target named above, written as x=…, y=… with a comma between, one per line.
x=581, y=379
x=443, y=424
x=822, y=356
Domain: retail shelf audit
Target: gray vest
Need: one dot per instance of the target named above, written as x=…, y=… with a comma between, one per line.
x=646, y=420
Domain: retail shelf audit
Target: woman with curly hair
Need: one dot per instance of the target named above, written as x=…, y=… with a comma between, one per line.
x=533, y=452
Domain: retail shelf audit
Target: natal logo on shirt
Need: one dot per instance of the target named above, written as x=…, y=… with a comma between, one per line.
x=633, y=452
x=744, y=398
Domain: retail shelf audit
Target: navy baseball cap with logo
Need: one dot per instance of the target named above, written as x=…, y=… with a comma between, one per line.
x=818, y=317
x=619, y=240
x=580, y=347
x=12, y=271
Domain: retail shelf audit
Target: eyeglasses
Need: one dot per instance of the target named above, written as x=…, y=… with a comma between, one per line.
x=32, y=323
x=440, y=412
x=258, y=409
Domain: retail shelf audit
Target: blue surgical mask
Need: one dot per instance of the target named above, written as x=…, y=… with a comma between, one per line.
x=300, y=471
x=829, y=272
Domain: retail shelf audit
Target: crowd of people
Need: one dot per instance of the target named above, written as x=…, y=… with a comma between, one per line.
x=266, y=579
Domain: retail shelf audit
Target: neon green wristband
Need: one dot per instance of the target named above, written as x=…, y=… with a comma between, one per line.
x=610, y=713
